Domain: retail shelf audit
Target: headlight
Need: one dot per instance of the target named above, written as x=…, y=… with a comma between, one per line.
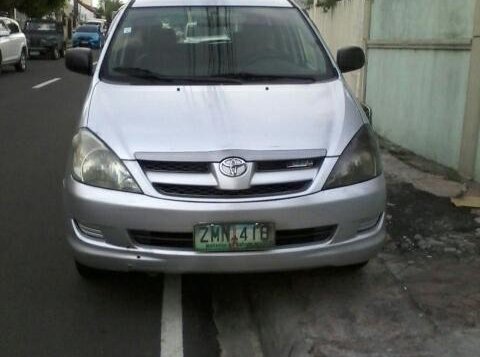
x=359, y=162
x=95, y=164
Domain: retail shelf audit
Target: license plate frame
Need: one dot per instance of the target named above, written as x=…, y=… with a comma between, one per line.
x=241, y=237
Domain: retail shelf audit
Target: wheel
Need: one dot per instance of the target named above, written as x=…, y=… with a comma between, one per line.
x=55, y=53
x=0, y=62
x=21, y=66
x=358, y=266
x=87, y=272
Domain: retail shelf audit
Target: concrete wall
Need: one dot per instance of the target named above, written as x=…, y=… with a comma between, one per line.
x=340, y=27
x=418, y=99
x=471, y=128
x=422, y=19
x=422, y=79
x=417, y=77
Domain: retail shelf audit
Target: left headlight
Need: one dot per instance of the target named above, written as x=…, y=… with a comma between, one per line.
x=359, y=162
x=96, y=165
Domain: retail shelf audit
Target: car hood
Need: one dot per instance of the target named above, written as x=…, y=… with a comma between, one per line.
x=161, y=119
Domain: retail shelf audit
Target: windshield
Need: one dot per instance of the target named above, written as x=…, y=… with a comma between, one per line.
x=220, y=44
x=87, y=29
x=41, y=26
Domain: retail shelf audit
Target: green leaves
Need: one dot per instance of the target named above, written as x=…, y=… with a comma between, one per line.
x=327, y=4
x=107, y=7
x=33, y=8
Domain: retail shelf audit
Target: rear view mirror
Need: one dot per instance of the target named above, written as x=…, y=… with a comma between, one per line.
x=80, y=60
x=350, y=59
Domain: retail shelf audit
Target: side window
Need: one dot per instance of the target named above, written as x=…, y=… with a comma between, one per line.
x=13, y=27
x=309, y=49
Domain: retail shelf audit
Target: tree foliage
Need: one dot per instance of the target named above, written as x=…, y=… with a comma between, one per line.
x=33, y=8
x=327, y=4
x=107, y=7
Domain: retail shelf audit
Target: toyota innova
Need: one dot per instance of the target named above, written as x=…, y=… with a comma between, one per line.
x=220, y=136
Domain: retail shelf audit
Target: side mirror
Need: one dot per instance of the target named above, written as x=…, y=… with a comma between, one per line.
x=80, y=60
x=368, y=112
x=4, y=33
x=350, y=59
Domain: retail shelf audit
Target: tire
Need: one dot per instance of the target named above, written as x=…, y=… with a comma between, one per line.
x=21, y=66
x=358, y=266
x=55, y=53
x=87, y=272
x=0, y=63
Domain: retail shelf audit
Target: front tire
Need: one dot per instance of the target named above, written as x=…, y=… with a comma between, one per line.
x=88, y=273
x=358, y=266
x=21, y=66
x=55, y=53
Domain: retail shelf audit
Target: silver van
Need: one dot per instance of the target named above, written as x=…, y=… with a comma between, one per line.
x=220, y=136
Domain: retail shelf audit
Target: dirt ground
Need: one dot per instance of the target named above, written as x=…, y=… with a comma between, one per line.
x=420, y=297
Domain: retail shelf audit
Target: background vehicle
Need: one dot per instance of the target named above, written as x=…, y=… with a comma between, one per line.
x=46, y=37
x=88, y=36
x=13, y=45
x=100, y=22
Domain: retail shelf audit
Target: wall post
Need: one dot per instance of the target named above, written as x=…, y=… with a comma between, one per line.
x=471, y=121
x=367, y=21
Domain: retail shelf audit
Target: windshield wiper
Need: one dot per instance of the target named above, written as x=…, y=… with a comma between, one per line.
x=255, y=77
x=141, y=73
x=146, y=74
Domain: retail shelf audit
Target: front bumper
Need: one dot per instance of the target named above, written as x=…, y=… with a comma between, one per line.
x=40, y=49
x=87, y=44
x=117, y=212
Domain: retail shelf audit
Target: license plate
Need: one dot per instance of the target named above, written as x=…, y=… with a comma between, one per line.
x=227, y=237
x=34, y=53
x=84, y=42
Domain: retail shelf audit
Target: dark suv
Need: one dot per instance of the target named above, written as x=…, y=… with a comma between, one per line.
x=46, y=37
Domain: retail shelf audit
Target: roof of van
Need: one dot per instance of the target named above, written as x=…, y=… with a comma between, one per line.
x=268, y=3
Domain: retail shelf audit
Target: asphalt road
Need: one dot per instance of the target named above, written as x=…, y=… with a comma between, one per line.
x=404, y=303
x=46, y=309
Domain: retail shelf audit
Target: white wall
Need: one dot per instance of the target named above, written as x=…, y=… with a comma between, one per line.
x=340, y=27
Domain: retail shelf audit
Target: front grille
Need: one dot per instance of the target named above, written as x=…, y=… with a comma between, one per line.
x=185, y=240
x=175, y=166
x=280, y=165
x=213, y=192
x=163, y=239
x=305, y=236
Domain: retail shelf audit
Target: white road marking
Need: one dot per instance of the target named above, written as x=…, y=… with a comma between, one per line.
x=172, y=323
x=44, y=84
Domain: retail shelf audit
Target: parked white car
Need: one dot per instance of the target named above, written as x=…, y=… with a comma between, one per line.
x=13, y=45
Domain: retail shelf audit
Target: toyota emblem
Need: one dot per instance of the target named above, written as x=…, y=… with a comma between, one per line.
x=233, y=167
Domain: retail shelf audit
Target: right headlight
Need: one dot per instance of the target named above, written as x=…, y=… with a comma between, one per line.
x=359, y=162
x=96, y=165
